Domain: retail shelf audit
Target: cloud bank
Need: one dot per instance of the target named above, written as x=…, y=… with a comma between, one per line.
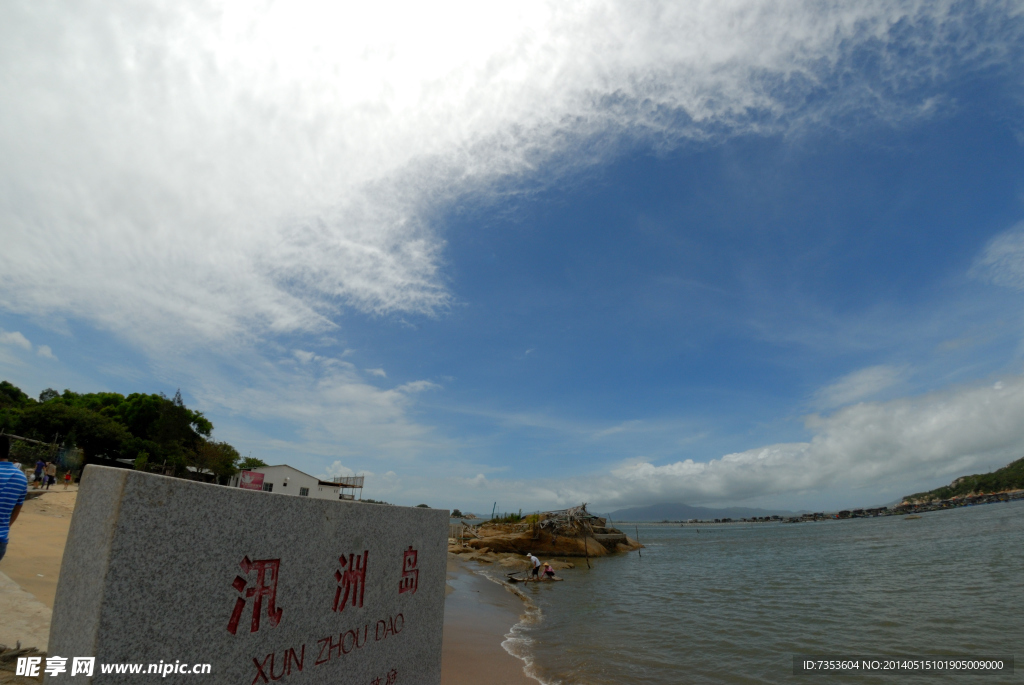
x=210, y=171
x=895, y=447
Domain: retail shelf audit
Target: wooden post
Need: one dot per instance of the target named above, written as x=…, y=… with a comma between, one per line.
x=585, y=550
x=638, y=540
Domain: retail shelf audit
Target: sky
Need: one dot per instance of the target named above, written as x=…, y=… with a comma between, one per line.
x=526, y=255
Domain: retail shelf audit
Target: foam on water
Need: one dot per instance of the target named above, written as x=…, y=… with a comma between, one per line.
x=518, y=641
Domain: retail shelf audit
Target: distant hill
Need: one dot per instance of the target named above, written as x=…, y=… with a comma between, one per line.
x=683, y=512
x=1010, y=477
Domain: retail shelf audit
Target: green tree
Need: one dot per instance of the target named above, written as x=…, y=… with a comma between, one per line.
x=11, y=396
x=97, y=435
x=158, y=432
x=12, y=401
x=216, y=458
x=251, y=463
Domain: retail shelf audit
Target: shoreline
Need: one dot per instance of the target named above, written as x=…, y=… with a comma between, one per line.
x=479, y=619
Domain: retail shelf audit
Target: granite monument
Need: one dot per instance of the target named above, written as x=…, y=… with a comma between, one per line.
x=260, y=586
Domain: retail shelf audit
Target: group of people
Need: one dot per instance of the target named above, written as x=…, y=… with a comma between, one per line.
x=14, y=487
x=538, y=573
x=45, y=475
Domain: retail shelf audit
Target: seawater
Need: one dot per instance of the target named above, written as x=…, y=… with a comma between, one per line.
x=733, y=603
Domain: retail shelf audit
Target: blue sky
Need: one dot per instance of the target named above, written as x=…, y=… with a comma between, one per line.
x=713, y=253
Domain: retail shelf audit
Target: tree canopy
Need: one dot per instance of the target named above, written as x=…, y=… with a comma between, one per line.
x=1010, y=477
x=157, y=432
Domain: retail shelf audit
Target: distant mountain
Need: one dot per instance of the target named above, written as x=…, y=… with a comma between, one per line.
x=683, y=512
x=1010, y=477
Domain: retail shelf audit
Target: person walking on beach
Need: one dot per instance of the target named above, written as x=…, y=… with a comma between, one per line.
x=536, y=566
x=67, y=479
x=13, y=486
x=51, y=474
x=40, y=467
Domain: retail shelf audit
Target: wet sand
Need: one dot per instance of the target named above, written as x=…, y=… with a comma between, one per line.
x=477, y=615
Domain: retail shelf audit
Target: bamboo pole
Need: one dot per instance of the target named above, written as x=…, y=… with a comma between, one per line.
x=586, y=551
x=38, y=442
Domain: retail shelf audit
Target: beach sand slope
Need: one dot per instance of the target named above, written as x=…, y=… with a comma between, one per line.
x=477, y=615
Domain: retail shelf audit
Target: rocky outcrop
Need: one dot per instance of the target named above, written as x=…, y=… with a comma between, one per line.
x=592, y=538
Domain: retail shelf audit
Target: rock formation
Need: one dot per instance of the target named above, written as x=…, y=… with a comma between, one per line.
x=568, y=533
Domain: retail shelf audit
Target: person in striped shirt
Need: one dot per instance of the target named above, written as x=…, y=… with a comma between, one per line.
x=13, y=486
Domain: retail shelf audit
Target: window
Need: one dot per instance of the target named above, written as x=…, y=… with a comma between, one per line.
x=303, y=492
x=268, y=487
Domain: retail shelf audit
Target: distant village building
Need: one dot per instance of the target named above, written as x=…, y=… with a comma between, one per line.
x=288, y=480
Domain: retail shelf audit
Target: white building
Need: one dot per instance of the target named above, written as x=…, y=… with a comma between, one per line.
x=288, y=480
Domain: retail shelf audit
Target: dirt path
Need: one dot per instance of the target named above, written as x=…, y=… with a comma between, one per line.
x=37, y=540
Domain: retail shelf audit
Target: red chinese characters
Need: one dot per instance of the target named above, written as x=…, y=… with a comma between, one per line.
x=352, y=580
x=392, y=678
x=410, y=574
x=267, y=572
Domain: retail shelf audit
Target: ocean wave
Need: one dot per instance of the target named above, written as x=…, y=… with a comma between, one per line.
x=517, y=641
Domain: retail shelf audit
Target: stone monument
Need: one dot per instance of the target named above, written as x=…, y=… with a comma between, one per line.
x=260, y=586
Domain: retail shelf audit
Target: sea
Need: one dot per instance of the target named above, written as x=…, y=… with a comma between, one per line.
x=733, y=603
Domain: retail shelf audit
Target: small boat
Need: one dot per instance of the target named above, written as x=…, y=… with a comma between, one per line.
x=911, y=517
x=513, y=579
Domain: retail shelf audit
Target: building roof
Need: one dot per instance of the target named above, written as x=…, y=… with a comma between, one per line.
x=287, y=466
x=328, y=483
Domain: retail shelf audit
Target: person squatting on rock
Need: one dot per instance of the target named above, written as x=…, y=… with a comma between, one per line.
x=13, y=486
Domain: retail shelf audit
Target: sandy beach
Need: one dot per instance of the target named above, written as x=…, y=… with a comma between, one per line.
x=478, y=613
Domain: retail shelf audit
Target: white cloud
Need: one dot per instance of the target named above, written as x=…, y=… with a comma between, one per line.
x=314, y=412
x=858, y=385
x=911, y=440
x=376, y=372
x=202, y=172
x=1002, y=260
x=478, y=481
x=45, y=351
x=207, y=170
x=339, y=469
x=875, y=451
x=625, y=426
x=417, y=386
x=14, y=338
x=304, y=356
